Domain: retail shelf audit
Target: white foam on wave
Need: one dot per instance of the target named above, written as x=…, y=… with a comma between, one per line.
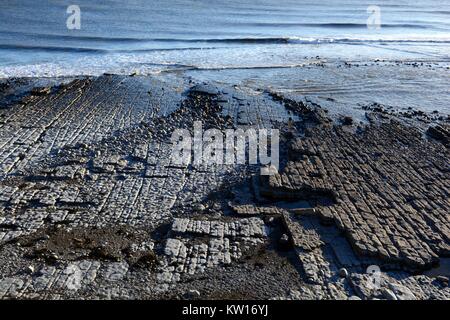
x=391, y=38
x=261, y=56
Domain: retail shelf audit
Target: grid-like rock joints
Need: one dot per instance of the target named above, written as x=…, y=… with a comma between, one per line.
x=390, y=188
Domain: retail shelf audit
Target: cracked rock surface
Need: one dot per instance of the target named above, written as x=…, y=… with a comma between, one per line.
x=92, y=205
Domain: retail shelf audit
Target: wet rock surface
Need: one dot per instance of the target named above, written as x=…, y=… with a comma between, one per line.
x=92, y=205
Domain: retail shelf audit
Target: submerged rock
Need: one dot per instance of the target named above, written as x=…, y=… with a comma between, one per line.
x=206, y=89
x=347, y=121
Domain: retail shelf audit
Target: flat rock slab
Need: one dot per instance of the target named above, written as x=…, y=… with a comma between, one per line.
x=92, y=205
x=389, y=188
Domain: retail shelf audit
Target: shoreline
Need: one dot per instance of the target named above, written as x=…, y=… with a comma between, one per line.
x=93, y=153
x=342, y=87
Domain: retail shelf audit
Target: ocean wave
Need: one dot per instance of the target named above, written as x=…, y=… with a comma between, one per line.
x=387, y=39
x=158, y=43
x=343, y=25
x=51, y=48
x=196, y=43
x=67, y=37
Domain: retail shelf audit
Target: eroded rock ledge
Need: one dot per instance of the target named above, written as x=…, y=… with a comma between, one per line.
x=91, y=205
x=389, y=187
